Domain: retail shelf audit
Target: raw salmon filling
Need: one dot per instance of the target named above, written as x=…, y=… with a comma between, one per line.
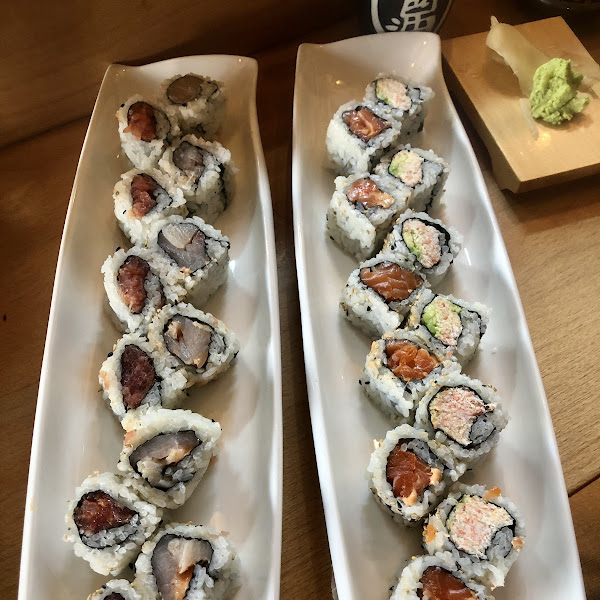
x=143, y=195
x=439, y=584
x=409, y=361
x=364, y=123
x=366, y=193
x=141, y=121
x=390, y=281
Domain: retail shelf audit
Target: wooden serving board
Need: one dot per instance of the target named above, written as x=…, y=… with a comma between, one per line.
x=490, y=93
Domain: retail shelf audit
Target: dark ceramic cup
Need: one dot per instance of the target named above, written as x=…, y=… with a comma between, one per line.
x=380, y=16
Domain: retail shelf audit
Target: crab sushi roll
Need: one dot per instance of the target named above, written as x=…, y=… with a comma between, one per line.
x=137, y=284
x=196, y=249
x=187, y=561
x=143, y=197
x=203, y=171
x=403, y=101
x=421, y=173
x=452, y=326
x=144, y=129
x=166, y=453
x=399, y=370
x=361, y=212
x=436, y=578
x=463, y=414
x=408, y=472
x=117, y=589
x=196, y=103
x=432, y=245
x=380, y=292
x=107, y=522
x=482, y=530
x=135, y=376
x=193, y=340
x=358, y=135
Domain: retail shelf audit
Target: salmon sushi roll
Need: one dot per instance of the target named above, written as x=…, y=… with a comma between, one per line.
x=483, y=531
x=380, y=292
x=408, y=472
x=463, y=414
x=361, y=212
x=399, y=370
x=117, y=589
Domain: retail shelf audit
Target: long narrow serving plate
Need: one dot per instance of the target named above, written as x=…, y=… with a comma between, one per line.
x=75, y=433
x=367, y=547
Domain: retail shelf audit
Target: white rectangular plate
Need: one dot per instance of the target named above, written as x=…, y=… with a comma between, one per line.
x=367, y=547
x=75, y=433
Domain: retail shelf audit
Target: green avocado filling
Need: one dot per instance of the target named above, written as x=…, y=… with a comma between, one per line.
x=554, y=96
x=441, y=317
x=411, y=239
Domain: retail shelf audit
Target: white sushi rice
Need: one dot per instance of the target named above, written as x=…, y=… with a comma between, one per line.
x=431, y=452
x=145, y=155
x=120, y=545
x=358, y=230
x=163, y=285
x=209, y=192
x=391, y=394
x=492, y=569
x=202, y=283
x=142, y=427
x=449, y=240
x=170, y=201
x=495, y=420
x=212, y=583
x=116, y=586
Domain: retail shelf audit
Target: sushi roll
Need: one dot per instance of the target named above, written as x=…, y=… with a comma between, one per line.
x=432, y=245
x=421, y=173
x=166, y=453
x=361, y=212
x=193, y=340
x=195, y=102
x=137, y=284
x=107, y=522
x=144, y=129
x=452, y=326
x=203, y=171
x=380, y=292
x=399, y=370
x=483, y=530
x=358, y=135
x=196, y=249
x=436, y=578
x=408, y=472
x=143, y=197
x=135, y=376
x=463, y=414
x=187, y=561
x=402, y=101
x=117, y=589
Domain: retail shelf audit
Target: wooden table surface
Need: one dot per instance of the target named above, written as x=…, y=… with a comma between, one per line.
x=552, y=239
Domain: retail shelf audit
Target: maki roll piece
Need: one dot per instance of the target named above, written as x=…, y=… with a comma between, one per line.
x=195, y=102
x=361, y=212
x=380, y=292
x=197, y=250
x=107, y=522
x=421, y=173
x=463, y=414
x=483, y=530
x=187, y=561
x=203, y=171
x=117, y=589
x=137, y=284
x=193, y=340
x=166, y=453
x=358, y=135
x=143, y=197
x=399, y=370
x=408, y=472
x=452, y=326
x=402, y=101
x=144, y=129
x=135, y=376
x=432, y=245
x=436, y=578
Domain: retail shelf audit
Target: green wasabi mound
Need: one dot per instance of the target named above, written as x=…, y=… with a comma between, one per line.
x=554, y=96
